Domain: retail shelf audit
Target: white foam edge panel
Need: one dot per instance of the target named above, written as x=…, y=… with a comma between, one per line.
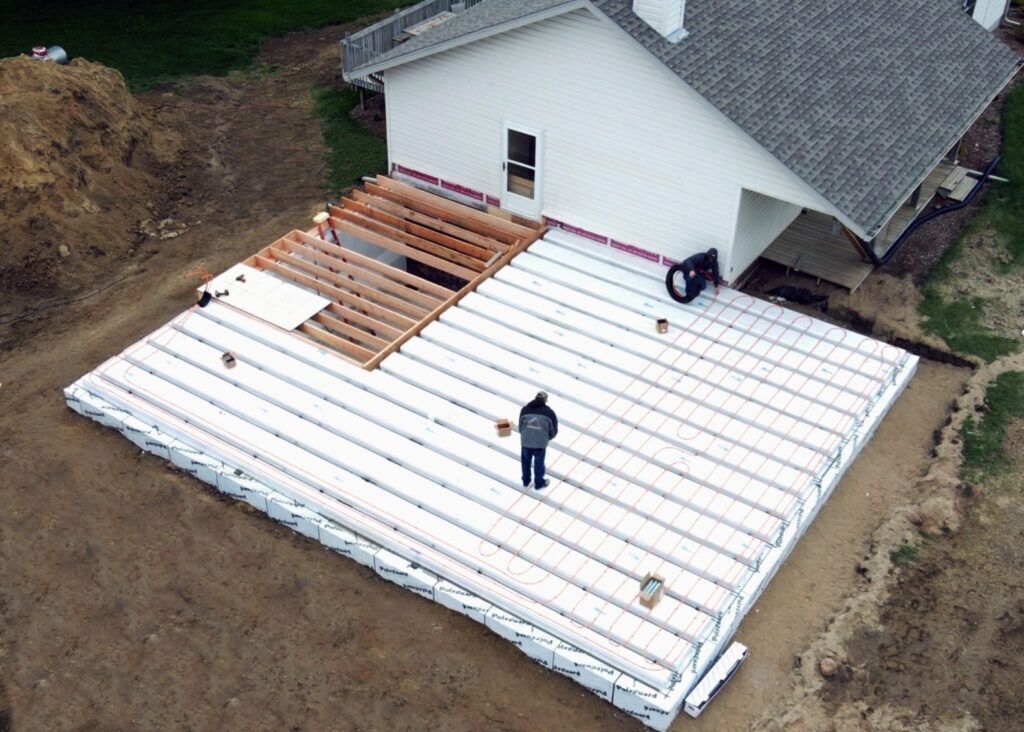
x=295, y=516
x=717, y=676
x=600, y=678
x=647, y=669
x=531, y=640
x=461, y=601
x=656, y=708
x=404, y=573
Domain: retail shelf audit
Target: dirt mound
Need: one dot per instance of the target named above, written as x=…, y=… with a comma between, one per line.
x=79, y=166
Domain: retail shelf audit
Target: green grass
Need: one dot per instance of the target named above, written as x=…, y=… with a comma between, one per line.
x=985, y=439
x=159, y=40
x=355, y=151
x=905, y=553
x=961, y=323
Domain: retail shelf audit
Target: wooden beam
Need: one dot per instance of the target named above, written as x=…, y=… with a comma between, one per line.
x=856, y=244
x=470, y=287
x=430, y=204
x=397, y=319
x=358, y=353
x=360, y=318
x=382, y=298
x=350, y=331
x=370, y=263
x=399, y=248
x=409, y=227
x=363, y=276
x=416, y=242
x=431, y=222
x=516, y=231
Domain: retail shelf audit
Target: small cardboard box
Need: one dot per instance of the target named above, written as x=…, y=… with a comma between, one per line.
x=228, y=359
x=652, y=587
x=663, y=325
x=504, y=427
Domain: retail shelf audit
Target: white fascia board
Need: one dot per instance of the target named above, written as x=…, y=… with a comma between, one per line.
x=462, y=40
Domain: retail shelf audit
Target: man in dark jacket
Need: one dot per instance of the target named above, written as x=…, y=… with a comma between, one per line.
x=695, y=271
x=537, y=426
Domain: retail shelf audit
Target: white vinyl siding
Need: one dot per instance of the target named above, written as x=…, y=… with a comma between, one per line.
x=989, y=13
x=760, y=220
x=630, y=151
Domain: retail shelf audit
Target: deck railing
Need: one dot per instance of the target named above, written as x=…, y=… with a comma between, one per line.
x=363, y=47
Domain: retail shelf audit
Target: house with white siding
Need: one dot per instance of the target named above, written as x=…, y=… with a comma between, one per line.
x=665, y=127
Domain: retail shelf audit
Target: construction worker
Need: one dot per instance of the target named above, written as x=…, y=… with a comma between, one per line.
x=537, y=426
x=696, y=272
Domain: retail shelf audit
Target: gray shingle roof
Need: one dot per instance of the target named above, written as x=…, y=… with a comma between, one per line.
x=859, y=99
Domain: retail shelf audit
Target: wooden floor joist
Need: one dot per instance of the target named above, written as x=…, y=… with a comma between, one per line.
x=446, y=227
x=374, y=265
x=373, y=307
x=356, y=274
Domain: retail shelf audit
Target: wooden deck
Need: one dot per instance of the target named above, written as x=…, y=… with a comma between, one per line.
x=814, y=243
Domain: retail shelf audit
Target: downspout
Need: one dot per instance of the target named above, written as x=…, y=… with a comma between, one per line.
x=895, y=246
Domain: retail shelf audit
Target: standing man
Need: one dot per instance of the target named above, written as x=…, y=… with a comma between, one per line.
x=537, y=426
x=695, y=272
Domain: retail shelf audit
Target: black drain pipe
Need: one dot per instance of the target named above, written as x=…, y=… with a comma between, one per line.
x=891, y=251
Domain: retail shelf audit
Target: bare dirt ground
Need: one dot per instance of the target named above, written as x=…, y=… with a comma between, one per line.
x=134, y=597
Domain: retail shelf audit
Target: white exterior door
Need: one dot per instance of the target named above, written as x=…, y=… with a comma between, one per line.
x=522, y=155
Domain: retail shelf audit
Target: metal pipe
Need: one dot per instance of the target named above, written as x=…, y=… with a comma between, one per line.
x=901, y=240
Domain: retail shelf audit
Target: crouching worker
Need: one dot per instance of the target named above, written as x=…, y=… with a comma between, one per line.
x=537, y=426
x=688, y=278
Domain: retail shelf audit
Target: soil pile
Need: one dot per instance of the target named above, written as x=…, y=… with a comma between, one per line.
x=79, y=166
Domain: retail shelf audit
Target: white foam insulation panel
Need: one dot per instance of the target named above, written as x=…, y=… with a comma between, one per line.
x=699, y=455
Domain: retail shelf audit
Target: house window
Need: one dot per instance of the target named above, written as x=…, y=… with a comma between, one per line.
x=522, y=163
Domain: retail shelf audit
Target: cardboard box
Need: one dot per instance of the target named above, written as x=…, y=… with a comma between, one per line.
x=504, y=427
x=662, y=325
x=652, y=587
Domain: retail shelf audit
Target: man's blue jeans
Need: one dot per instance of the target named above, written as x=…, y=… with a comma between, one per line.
x=534, y=455
x=694, y=286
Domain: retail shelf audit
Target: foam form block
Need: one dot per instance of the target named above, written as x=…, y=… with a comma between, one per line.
x=461, y=601
x=402, y=572
x=72, y=395
x=100, y=410
x=189, y=459
x=245, y=488
x=715, y=679
x=599, y=677
x=532, y=641
x=348, y=544
x=294, y=515
x=652, y=707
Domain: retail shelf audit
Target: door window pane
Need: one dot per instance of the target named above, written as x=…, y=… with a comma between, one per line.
x=520, y=180
x=522, y=148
